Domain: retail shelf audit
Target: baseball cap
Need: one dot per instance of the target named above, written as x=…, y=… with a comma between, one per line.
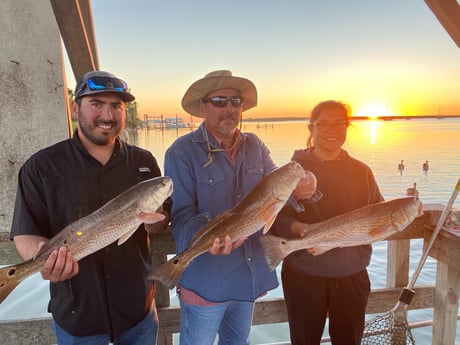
x=100, y=81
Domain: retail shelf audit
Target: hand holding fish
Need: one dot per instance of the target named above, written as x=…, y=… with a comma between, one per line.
x=227, y=247
x=306, y=187
x=301, y=230
x=59, y=266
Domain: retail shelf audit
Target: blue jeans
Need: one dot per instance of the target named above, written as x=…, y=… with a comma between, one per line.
x=231, y=320
x=144, y=333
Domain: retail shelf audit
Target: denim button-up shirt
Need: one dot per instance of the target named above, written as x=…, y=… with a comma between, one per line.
x=203, y=192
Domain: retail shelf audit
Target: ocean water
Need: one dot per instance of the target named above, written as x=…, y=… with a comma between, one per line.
x=380, y=144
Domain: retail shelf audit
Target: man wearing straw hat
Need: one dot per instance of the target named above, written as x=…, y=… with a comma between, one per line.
x=212, y=168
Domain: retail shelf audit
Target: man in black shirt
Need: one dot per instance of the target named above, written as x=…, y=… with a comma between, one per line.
x=105, y=297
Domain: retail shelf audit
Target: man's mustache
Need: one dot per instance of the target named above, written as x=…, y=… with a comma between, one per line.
x=228, y=116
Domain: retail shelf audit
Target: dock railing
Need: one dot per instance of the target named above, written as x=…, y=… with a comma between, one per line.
x=443, y=297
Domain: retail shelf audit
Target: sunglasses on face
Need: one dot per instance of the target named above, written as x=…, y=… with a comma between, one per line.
x=222, y=101
x=103, y=83
x=324, y=126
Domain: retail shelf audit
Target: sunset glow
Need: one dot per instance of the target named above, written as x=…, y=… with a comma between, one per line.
x=373, y=110
x=395, y=60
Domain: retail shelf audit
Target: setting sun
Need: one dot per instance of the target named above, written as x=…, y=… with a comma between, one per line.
x=373, y=110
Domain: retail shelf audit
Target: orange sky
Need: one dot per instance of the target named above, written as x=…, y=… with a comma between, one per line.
x=383, y=58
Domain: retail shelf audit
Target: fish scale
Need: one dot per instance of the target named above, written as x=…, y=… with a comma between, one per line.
x=257, y=210
x=116, y=220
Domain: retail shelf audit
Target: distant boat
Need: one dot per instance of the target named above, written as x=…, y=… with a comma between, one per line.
x=158, y=122
x=174, y=122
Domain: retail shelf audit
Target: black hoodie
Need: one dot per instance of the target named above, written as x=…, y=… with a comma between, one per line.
x=346, y=184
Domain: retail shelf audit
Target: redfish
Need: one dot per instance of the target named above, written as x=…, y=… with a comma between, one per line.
x=364, y=225
x=257, y=210
x=118, y=219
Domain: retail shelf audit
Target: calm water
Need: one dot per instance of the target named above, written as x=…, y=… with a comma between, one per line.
x=381, y=144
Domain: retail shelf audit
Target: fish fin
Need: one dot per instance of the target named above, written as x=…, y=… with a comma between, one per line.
x=9, y=279
x=377, y=231
x=150, y=217
x=269, y=218
x=275, y=250
x=127, y=235
x=170, y=272
x=315, y=251
x=147, y=217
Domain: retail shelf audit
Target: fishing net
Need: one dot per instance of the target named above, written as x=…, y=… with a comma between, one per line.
x=385, y=330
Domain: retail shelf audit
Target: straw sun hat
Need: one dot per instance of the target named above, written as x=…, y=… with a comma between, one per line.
x=215, y=81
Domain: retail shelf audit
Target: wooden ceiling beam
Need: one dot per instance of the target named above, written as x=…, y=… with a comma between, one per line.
x=75, y=22
x=448, y=14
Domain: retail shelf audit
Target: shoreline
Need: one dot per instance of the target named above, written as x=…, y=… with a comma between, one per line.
x=354, y=118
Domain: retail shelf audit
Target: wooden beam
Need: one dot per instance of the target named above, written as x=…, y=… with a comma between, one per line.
x=446, y=303
x=75, y=22
x=448, y=14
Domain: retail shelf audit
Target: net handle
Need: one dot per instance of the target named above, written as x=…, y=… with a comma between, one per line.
x=436, y=230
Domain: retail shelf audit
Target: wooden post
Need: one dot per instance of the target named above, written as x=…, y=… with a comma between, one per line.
x=446, y=298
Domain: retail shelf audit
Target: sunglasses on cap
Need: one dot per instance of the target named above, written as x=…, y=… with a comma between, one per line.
x=222, y=101
x=102, y=84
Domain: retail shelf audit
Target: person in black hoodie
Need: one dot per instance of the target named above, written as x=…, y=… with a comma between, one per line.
x=335, y=284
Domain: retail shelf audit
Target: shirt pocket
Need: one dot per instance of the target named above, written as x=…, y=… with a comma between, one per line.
x=210, y=189
x=255, y=174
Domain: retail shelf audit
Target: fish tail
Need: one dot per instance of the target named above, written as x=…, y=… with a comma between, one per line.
x=9, y=279
x=170, y=272
x=274, y=249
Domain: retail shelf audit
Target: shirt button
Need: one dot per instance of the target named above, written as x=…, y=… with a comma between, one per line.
x=210, y=181
x=249, y=259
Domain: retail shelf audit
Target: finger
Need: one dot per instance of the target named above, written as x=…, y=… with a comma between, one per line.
x=49, y=265
x=70, y=267
x=310, y=177
x=56, y=272
x=228, y=245
x=215, y=248
x=238, y=242
x=40, y=246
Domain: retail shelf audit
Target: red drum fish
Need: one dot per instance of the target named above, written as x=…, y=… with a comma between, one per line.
x=364, y=225
x=118, y=219
x=257, y=210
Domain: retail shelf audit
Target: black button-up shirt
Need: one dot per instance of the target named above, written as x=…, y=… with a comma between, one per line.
x=63, y=183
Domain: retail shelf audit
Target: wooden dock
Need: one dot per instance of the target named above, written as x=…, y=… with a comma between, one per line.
x=442, y=297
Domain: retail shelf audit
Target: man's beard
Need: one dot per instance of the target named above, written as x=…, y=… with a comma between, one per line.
x=87, y=130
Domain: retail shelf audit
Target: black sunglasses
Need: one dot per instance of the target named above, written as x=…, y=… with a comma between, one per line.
x=103, y=83
x=222, y=101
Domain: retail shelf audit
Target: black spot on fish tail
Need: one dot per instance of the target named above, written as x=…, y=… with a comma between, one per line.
x=170, y=272
x=8, y=281
x=274, y=249
x=12, y=271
